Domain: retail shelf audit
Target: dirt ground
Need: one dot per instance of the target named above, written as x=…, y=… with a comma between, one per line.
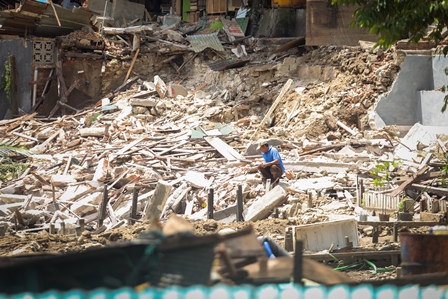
x=43, y=242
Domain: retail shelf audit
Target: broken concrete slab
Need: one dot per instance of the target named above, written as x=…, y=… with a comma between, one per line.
x=323, y=235
x=318, y=166
x=149, y=102
x=313, y=184
x=175, y=90
x=261, y=208
x=196, y=179
x=60, y=180
x=87, y=205
x=226, y=215
x=416, y=136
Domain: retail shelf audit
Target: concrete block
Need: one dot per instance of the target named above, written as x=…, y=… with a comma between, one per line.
x=260, y=208
x=289, y=60
x=425, y=216
x=293, y=67
x=283, y=68
x=157, y=202
x=310, y=72
x=328, y=74
x=320, y=236
x=177, y=90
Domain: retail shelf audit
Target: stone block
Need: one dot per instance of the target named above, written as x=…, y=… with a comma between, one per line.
x=425, y=216
x=289, y=60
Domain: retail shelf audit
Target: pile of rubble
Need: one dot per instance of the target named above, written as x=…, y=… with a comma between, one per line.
x=154, y=147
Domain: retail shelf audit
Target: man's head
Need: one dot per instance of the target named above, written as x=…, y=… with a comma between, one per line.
x=263, y=146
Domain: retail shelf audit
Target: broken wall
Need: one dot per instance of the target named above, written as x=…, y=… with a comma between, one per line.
x=282, y=22
x=412, y=98
x=22, y=50
x=330, y=25
x=430, y=103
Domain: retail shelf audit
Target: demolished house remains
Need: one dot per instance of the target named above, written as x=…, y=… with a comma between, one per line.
x=129, y=140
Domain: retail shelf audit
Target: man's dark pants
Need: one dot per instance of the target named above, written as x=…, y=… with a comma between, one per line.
x=273, y=172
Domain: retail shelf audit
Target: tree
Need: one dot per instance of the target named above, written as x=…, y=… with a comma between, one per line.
x=393, y=20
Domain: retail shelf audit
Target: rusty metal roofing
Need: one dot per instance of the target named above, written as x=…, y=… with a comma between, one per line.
x=199, y=42
x=39, y=19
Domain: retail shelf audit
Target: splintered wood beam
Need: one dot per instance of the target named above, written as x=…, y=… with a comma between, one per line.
x=131, y=66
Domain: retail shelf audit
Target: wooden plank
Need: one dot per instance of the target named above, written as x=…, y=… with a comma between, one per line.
x=435, y=190
x=409, y=181
x=282, y=267
x=399, y=223
x=224, y=149
x=274, y=105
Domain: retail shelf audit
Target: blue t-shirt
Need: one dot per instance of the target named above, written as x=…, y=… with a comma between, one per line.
x=271, y=155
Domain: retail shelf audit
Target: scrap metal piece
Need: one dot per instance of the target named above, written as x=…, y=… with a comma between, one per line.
x=200, y=42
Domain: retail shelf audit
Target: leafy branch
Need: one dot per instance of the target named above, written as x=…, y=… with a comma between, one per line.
x=382, y=172
x=6, y=84
x=9, y=169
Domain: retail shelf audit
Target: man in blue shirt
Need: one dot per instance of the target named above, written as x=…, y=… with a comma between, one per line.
x=273, y=167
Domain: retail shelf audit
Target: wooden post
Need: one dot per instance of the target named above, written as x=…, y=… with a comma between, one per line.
x=395, y=232
x=298, y=264
x=3, y=229
x=14, y=93
x=134, y=206
x=63, y=230
x=81, y=223
x=102, y=212
x=56, y=206
x=210, y=204
x=239, y=203
x=310, y=199
x=78, y=231
x=289, y=239
x=52, y=229
x=375, y=234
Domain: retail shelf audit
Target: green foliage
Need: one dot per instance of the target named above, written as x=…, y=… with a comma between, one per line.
x=400, y=205
x=6, y=82
x=9, y=148
x=8, y=168
x=444, y=172
x=382, y=171
x=393, y=20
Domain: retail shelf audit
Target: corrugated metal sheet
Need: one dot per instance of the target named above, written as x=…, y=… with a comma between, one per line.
x=199, y=42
